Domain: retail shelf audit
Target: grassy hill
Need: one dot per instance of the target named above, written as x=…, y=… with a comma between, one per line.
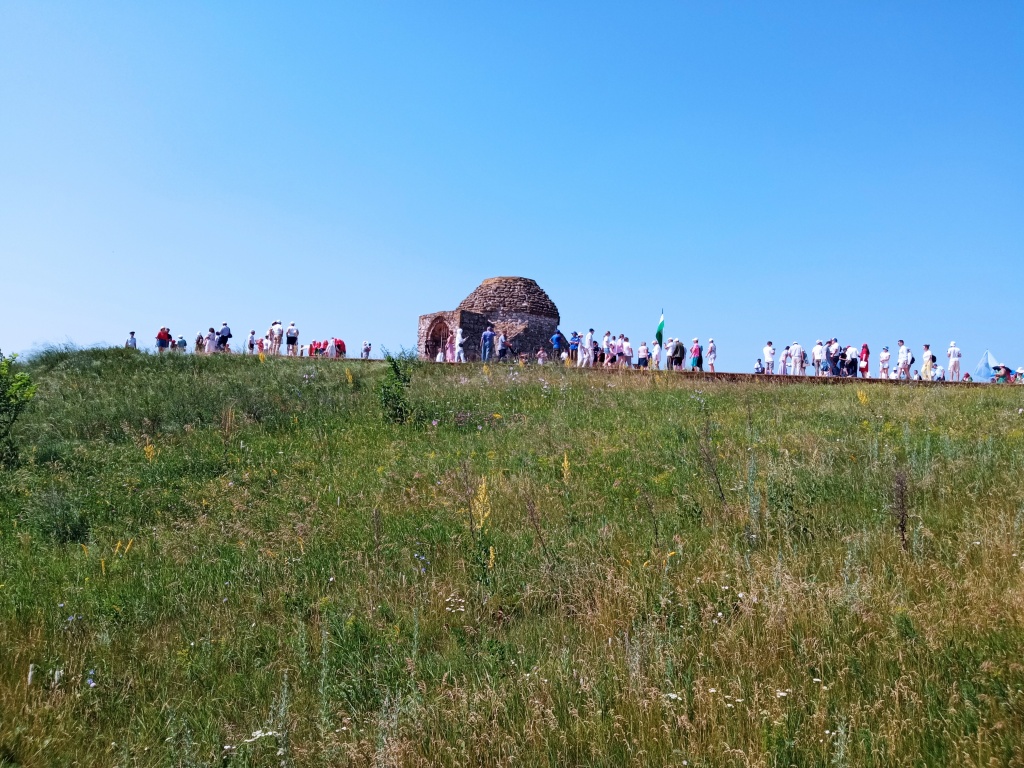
x=222, y=561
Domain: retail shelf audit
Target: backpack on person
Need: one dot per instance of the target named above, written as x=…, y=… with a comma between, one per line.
x=912, y=359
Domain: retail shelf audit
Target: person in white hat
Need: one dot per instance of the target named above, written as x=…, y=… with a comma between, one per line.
x=712, y=353
x=817, y=356
x=292, y=340
x=953, y=353
x=695, y=355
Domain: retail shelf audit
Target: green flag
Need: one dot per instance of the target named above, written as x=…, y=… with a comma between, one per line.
x=660, y=333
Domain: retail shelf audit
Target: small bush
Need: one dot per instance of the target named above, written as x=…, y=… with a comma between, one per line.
x=394, y=390
x=16, y=392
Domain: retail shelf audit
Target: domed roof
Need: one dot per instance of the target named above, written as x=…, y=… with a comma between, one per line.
x=510, y=294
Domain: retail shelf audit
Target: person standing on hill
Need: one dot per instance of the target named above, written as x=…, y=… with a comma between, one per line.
x=163, y=341
x=953, y=353
x=926, y=362
x=486, y=343
x=460, y=343
x=903, y=361
x=210, y=343
x=365, y=353
x=883, y=363
x=656, y=354
x=796, y=353
x=556, y=344
x=585, y=358
x=250, y=343
x=832, y=355
x=223, y=337
x=769, y=358
x=865, y=361
x=712, y=354
x=695, y=355
x=278, y=336
x=642, y=355
x=131, y=343
x=678, y=352
x=818, y=357
x=784, y=361
x=502, y=346
x=292, y=340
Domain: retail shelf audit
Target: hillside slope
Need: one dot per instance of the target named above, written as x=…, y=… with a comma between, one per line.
x=210, y=561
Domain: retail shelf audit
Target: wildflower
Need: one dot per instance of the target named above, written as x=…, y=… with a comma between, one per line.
x=490, y=558
x=434, y=423
x=712, y=690
x=817, y=679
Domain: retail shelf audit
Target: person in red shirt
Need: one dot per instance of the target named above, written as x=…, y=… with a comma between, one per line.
x=163, y=341
x=340, y=346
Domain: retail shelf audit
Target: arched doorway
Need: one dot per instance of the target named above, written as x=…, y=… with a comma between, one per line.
x=437, y=338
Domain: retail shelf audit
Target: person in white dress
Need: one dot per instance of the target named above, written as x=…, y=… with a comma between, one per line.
x=883, y=363
x=210, y=343
x=710, y=355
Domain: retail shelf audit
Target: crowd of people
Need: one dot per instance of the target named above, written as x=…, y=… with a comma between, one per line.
x=830, y=358
x=585, y=351
x=826, y=358
x=272, y=342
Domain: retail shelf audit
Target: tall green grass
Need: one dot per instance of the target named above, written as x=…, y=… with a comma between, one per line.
x=254, y=566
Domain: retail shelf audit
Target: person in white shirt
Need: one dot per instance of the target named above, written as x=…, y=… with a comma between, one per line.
x=626, y=360
x=903, y=361
x=797, y=354
x=769, y=358
x=883, y=363
x=131, y=343
x=643, y=355
x=938, y=373
x=953, y=353
x=711, y=354
x=656, y=354
x=784, y=362
x=817, y=356
x=292, y=340
x=832, y=355
x=365, y=353
x=250, y=343
x=585, y=353
x=277, y=336
x=605, y=343
x=926, y=363
x=211, y=342
x=460, y=352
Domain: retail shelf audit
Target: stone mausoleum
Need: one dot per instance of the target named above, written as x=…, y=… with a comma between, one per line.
x=516, y=306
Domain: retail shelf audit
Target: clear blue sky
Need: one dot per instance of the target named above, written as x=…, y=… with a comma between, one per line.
x=758, y=170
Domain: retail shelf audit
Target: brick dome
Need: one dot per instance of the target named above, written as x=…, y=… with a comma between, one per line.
x=510, y=295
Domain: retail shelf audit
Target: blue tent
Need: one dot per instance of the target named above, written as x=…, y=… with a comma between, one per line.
x=986, y=367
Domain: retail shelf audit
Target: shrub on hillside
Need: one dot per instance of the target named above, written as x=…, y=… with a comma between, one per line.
x=16, y=392
x=394, y=390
